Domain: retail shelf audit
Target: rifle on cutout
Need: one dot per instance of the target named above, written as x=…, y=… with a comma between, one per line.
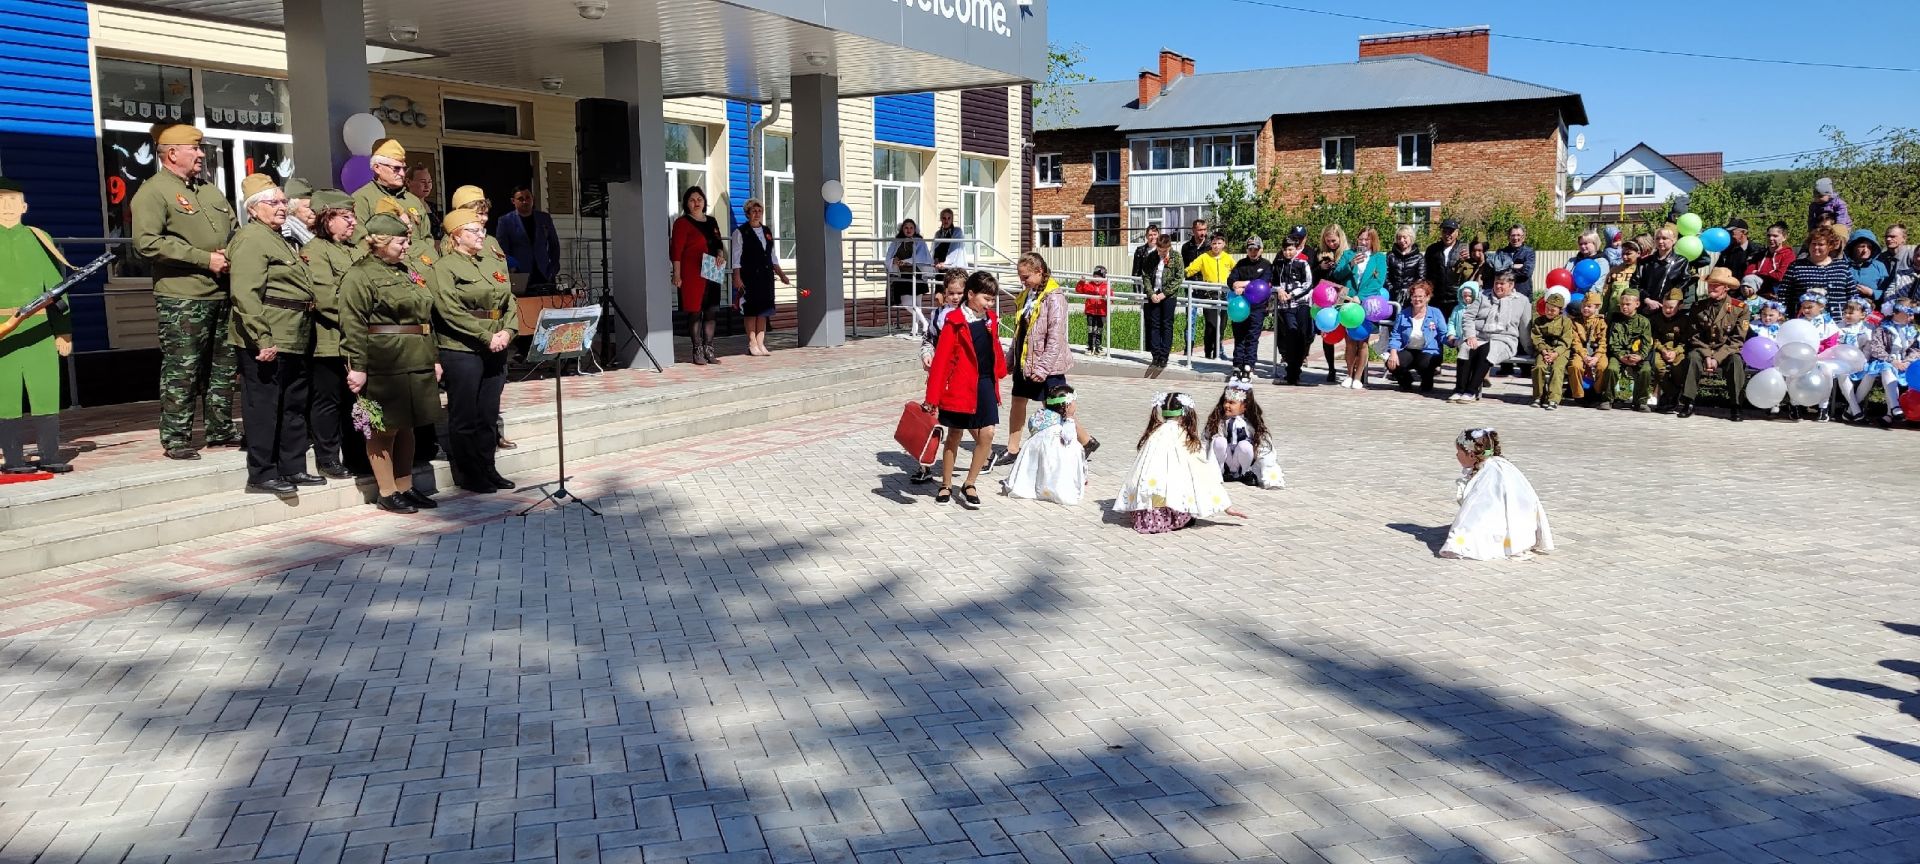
x=53, y=295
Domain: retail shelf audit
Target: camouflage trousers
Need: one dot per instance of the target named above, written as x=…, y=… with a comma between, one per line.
x=195, y=363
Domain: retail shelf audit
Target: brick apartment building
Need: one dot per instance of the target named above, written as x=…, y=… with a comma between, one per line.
x=1417, y=108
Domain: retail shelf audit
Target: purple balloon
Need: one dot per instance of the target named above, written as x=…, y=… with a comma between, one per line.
x=1258, y=291
x=1759, y=352
x=1378, y=308
x=357, y=172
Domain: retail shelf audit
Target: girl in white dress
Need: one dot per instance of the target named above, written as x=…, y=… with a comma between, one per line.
x=1500, y=515
x=1171, y=483
x=1052, y=465
x=1238, y=444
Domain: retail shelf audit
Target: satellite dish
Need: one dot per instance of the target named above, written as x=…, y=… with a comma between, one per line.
x=1580, y=141
x=1573, y=163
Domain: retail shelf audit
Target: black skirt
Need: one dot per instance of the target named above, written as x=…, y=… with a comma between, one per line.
x=986, y=403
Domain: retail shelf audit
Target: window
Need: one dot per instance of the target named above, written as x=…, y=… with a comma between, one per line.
x=687, y=165
x=776, y=173
x=896, y=189
x=486, y=118
x=1228, y=150
x=1174, y=220
x=1106, y=230
x=1046, y=169
x=1416, y=151
x=979, y=185
x=245, y=103
x=1336, y=155
x=1106, y=167
x=1418, y=216
x=1638, y=184
x=1049, y=232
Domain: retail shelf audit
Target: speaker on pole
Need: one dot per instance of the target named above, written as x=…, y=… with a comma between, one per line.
x=601, y=135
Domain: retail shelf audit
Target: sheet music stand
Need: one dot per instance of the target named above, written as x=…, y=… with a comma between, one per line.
x=561, y=334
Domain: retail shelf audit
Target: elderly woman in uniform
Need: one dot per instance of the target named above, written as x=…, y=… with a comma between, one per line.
x=476, y=321
x=386, y=335
x=273, y=330
x=328, y=255
x=475, y=199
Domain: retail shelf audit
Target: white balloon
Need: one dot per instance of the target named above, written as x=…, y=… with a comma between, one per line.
x=1766, y=388
x=1795, y=359
x=1810, y=389
x=1798, y=330
x=832, y=191
x=360, y=132
x=1833, y=369
x=1851, y=358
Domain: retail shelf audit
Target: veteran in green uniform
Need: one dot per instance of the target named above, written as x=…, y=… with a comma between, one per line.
x=389, y=184
x=1717, y=328
x=181, y=226
x=1669, y=326
x=386, y=336
x=30, y=355
x=1630, y=350
x=337, y=452
x=273, y=331
x=476, y=319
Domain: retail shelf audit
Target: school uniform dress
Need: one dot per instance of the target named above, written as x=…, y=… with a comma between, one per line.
x=473, y=301
x=753, y=259
x=272, y=308
x=964, y=382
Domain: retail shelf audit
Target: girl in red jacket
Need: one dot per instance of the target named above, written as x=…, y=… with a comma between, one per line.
x=964, y=385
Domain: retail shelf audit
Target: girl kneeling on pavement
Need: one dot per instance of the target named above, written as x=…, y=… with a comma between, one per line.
x=963, y=384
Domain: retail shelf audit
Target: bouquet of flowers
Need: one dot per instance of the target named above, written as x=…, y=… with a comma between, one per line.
x=368, y=418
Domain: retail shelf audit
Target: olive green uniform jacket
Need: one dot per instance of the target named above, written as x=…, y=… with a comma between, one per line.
x=473, y=299
x=176, y=229
x=399, y=366
x=267, y=267
x=327, y=263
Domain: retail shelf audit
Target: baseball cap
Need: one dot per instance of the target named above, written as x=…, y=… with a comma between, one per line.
x=1449, y=224
x=1736, y=222
x=1823, y=185
x=1297, y=233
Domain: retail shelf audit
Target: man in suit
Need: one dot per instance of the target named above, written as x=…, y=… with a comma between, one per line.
x=530, y=241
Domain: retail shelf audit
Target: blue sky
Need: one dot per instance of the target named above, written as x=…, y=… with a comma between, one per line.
x=1746, y=110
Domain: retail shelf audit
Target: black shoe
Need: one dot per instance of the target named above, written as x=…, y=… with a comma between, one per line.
x=234, y=443
x=55, y=467
x=1006, y=457
x=20, y=469
x=335, y=470
x=1888, y=419
x=1685, y=410
x=1551, y=406
x=305, y=479
x=419, y=499
x=183, y=454
x=395, y=503
x=1854, y=417
x=1642, y=407
x=969, y=497
x=1734, y=414
x=1823, y=417
x=924, y=475
x=1092, y=445
x=943, y=496
x=276, y=486
x=501, y=482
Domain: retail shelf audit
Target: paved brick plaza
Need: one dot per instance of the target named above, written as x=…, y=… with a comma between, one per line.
x=773, y=649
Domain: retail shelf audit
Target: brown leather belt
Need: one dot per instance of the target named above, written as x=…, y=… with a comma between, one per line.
x=9, y=313
x=295, y=305
x=400, y=329
x=488, y=314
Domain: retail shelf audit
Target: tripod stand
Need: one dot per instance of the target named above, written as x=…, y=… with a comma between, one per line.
x=559, y=494
x=610, y=309
x=559, y=335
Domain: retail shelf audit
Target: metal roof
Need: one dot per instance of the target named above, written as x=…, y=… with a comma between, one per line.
x=1253, y=96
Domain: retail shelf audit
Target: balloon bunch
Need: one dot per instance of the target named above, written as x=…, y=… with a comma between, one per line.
x=359, y=133
x=838, y=215
x=1347, y=320
x=1792, y=366
x=1240, y=306
x=1694, y=242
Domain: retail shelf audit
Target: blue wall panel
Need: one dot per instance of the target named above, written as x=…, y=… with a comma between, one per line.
x=740, y=119
x=905, y=119
x=47, y=138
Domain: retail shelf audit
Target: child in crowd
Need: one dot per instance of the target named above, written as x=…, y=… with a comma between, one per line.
x=1669, y=349
x=1098, y=290
x=1552, y=342
x=1052, y=466
x=1500, y=514
x=1895, y=346
x=1813, y=309
x=1468, y=295
x=1171, y=484
x=1587, y=361
x=1767, y=318
x=1238, y=443
x=953, y=288
x=1621, y=277
x=1630, y=350
x=1855, y=331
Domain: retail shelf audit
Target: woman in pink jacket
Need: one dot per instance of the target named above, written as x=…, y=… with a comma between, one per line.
x=1041, y=354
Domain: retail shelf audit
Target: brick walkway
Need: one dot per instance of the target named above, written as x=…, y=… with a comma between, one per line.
x=772, y=649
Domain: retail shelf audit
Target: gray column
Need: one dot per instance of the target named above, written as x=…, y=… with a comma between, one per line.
x=636, y=210
x=816, y=159
x=326, y=82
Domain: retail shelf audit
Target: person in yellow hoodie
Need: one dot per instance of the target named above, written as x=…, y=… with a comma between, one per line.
x=1213, y=265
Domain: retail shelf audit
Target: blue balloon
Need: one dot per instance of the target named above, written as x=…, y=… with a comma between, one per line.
x=1715, y=239
x=839, y=216
x=1326, y=319
x=1913, y=377
x=1361, y=333
x=1575, y=299
x=1587, y=272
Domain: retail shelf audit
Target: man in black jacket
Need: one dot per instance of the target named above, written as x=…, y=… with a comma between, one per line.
x=1200, y=243
x=1246, y=333
x=1742, y=252
x=1442, y=254
x=1293, y=312
x=1665, y=270
x=1144, y=258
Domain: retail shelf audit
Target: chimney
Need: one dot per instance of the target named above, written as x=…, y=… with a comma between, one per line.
x=1186, y=66
x=1149, y=87
x=1461, y=46
x=1169, y=67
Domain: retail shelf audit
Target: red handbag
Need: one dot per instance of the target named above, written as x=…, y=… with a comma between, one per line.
x=918, y=433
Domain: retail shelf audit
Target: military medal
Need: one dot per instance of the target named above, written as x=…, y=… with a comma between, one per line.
x=186, y=206
x=499, y=276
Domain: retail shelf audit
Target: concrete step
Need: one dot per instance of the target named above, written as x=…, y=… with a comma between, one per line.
x=183, y=519
x=75, y=497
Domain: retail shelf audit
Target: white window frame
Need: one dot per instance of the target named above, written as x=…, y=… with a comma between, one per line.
x=1190, y=148
x=775, y=186
x=234, y=140
x=1630, y=182
x=1117, y=232
x=1420, y=229
x=673, y=187
x=1058, y=230
x=906, y=195
x=987, y=195
x=1174, y=219
x=519, y=117
x=1100, y=159
x=1048, y=171
x=1353, y=145
x=1401, y=151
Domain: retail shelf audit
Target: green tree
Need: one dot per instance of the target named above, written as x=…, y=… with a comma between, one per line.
x=1050, y=97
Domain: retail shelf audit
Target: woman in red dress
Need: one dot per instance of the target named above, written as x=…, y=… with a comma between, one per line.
x=696, y=236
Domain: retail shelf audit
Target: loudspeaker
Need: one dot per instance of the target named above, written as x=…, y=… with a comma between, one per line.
x=601, y=141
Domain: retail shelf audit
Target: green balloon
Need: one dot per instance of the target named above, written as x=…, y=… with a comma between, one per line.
x=1689, y=224
x=1688, y=247
x=1352, y=315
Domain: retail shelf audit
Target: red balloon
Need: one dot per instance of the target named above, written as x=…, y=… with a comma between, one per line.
x=1560, y=277
x=1335, y=336
x=1910, y=403
x=1540, y=306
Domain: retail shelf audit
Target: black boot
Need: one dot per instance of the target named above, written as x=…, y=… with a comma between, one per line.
x=1685, y=410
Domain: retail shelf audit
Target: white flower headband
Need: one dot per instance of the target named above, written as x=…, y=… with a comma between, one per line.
x=1473, y=440
x=1238, y=389
x=1185, y=401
